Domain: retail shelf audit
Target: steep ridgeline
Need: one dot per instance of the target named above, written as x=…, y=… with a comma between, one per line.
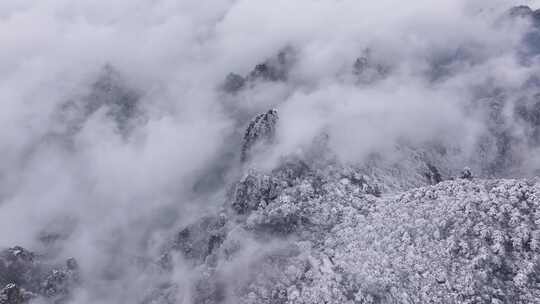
x=315, y=230
x=306, y=233
x=303, y=235
x=312, y=232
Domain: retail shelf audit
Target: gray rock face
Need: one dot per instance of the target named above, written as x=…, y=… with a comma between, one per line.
x=433, y=175
x=275, y=69
x=253, y=191
x=199, y=240
x=367, y=70
x=233, y=83
x=18, y=266
x=59, y=282
x=261, y=130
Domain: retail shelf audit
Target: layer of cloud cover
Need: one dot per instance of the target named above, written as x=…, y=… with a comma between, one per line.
x=124, y=193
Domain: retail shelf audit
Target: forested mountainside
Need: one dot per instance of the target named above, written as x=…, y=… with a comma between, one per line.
x=399, y=169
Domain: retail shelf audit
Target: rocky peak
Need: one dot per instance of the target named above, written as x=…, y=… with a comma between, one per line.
x=261, y=129
x=274, y=69
x=367, y=69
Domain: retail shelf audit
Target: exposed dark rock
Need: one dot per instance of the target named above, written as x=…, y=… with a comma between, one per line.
x=466, y=173
x=527, y=111
x=280, y=223
x=367, y=70
x=366, y=187
x=446, y=63
x=255, y=190
x=275, y=69
x=59, y=282
x=291, y=169
x=200, y=239
x=17, y=265
x=261, y=130
x=27, y=275
x=72, y=264
x=498, y=146
x=233, y=83
x=433, y=175
x=523, y=11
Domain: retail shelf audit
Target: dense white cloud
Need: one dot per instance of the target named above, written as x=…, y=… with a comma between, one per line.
x=176, y=54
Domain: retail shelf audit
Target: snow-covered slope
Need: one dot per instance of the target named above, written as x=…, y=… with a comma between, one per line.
x=372, y=197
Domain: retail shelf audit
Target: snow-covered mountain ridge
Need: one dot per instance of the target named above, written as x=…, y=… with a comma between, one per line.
x=397, y=164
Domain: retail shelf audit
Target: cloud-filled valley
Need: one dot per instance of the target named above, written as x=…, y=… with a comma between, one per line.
x=269, y=152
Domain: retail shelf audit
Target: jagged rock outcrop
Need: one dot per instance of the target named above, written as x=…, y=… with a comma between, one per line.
x=253, y=191
x=275, y=69
x=367, y=70
x=261, y=130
